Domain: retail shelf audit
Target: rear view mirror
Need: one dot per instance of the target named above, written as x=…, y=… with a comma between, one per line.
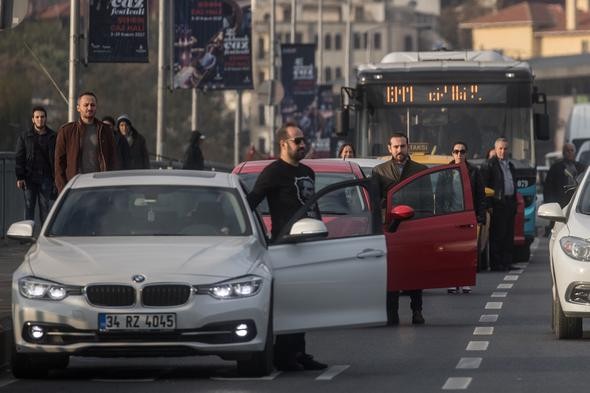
x=541, y=125
x=306, y=229
x=21, y=230
x=551, y=211
x=344, y=122
x=398, y=214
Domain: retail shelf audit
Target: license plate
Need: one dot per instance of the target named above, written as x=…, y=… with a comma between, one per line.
x=110, y=322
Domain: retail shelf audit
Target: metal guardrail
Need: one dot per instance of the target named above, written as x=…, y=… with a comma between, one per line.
x=12, y=203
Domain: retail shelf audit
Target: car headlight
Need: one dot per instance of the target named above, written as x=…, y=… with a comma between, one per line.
x=237, y=288
x=37, y=288
x=576, y=248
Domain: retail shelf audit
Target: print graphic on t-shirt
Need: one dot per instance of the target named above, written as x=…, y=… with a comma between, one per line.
x=305, y=188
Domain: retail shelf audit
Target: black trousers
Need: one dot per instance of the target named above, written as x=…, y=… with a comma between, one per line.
x=502, y=233
x=393, y=301
x=287, y=346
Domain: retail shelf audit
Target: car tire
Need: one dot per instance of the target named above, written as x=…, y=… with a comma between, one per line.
x=565, y=327
x=28, y=366
x=260, y=364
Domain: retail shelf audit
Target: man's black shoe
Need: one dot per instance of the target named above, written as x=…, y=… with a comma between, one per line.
x=309, y=363
x=417, y=318
x=392, y=319
x=289, y=366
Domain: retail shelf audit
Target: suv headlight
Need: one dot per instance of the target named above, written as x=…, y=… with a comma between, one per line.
x=37, y=288
x=576, y=248
x=232, y=289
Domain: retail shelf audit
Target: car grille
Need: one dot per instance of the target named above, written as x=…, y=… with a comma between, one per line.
x=111, y=295
x=165, y=295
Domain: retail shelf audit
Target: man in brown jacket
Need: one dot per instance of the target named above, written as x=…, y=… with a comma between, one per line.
x=84, y=146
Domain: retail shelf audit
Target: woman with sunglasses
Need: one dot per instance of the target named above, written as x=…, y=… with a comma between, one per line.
x=459, y=153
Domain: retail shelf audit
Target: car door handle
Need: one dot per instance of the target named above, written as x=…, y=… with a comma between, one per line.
x=370, y=253
x=466, y=226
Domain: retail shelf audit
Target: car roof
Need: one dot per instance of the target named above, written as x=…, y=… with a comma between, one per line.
x=156, y=177
x=317, y=164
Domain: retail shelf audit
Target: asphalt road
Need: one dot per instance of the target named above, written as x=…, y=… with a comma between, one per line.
x=496, y=339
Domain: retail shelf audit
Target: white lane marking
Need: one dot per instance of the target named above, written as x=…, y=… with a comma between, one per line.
x=477, y=346
x=511, y=278
x=516, y=271
x=457, y=383
x=117, y=380
x=535, y=244
x=469, y=363
x=331, y=372
x=488, y=318
x=505, y=286
x=483, y=331
x=266, y=378
x=6, y=383
x=499, y=294
x=493, y=305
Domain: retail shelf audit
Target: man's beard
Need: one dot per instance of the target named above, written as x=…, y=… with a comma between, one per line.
x=297, y=154
x=400, y=158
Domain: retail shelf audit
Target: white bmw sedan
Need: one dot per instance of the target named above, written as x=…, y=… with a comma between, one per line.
x=569, y=252
x=171, y=263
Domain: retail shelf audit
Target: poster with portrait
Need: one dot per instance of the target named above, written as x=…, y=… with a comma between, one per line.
x=212, y=44
x=118, y=31
x=326, y=120
x=299, y=81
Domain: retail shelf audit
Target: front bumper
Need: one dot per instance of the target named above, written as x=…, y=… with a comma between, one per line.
x=571, y=276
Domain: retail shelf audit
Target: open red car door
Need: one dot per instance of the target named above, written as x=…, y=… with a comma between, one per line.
x=437, y=248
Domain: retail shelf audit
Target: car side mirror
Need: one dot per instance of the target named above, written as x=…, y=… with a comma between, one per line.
x=398, y=214
x=306, y=229
x=541, y=126
x=22, y=230
x=551, y=211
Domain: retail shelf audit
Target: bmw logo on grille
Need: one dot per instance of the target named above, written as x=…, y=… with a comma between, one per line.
x=138, y=278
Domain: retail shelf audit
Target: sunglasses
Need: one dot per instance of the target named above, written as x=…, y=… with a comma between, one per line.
x=459, y=151
x=299, y=140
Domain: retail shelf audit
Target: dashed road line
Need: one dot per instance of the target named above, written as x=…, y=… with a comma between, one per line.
x=469, y=363
x=331, y=372
x=483, y=331
x=477, y=346
x=488, y=318
x=457, y=383
x=493, y=305
x=269, y=377
x=505, y=285
x=499, y=294
x=511, y=277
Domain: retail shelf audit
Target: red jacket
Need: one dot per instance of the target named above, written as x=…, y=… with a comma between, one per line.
x=67, y=150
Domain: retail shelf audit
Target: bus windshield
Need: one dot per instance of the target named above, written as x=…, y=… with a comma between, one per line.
x=432, y=129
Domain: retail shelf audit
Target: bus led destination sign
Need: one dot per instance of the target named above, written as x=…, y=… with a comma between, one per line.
x=445, y=94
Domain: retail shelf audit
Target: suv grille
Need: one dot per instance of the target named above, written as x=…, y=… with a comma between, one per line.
x=165, y=295
x=111, y=295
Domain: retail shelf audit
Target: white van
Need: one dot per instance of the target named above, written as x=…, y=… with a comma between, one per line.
x=578, y=125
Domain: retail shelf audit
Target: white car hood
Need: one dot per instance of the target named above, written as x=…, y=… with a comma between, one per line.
x=198, y=260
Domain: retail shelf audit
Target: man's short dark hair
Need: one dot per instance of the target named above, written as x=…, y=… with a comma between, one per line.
x=87, y=93
x=398, y=135
x=38, y=109
x=460, y=143
x=282, y=132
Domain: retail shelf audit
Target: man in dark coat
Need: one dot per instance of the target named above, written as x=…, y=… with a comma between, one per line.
x=561, y=175
x=34, y=165
x=388, y=175
x=193, y=158
x=498, y=174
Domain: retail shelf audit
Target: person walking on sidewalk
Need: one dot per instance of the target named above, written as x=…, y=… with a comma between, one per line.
x=193, y=157
x=85, y=145
x=34, y=165
x=123, y=151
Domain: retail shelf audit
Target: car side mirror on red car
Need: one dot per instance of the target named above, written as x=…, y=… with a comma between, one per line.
x=397, y=214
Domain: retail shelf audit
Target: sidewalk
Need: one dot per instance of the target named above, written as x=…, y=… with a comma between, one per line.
x=11, y=255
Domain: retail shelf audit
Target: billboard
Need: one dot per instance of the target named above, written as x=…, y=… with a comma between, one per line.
x=212, y=44
x=118, y=31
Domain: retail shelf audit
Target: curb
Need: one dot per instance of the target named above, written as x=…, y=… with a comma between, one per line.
x=6, y=338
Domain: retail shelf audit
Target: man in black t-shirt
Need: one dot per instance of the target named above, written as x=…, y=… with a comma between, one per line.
x=287, y=185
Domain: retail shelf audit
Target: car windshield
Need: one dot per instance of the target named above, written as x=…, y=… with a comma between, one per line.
x=150, y=210
x=322, y=180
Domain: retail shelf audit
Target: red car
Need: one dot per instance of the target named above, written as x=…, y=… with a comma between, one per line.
x=437, y=248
